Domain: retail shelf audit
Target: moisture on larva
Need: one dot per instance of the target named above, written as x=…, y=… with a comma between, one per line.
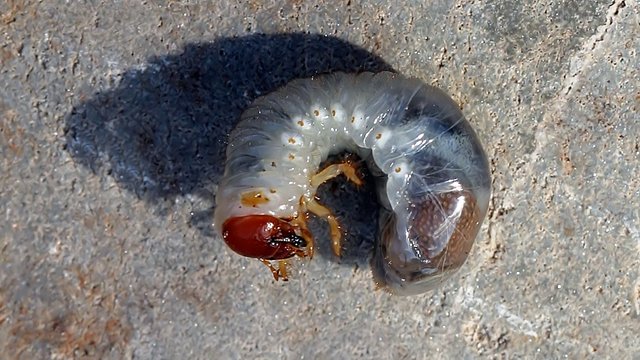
x=433, y=175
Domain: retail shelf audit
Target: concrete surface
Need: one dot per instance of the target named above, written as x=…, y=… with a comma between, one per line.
x=113, y=117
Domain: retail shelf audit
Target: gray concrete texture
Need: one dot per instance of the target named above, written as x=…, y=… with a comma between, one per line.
x=113, y=119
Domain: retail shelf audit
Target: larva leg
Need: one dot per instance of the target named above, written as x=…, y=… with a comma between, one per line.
x=336, y=233
x=331, y=171
x=282, y=269
x=347, y=169
x=276, y=272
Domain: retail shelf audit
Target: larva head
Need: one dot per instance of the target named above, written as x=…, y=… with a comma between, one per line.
x=437, y=236
x=262, y=236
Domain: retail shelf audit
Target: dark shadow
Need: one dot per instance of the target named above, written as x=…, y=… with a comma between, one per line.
x=162, y=131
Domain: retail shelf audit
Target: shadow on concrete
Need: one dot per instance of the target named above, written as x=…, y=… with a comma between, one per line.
x=161, y=132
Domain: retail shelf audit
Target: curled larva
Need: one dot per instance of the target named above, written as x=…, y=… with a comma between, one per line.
x=431, y=172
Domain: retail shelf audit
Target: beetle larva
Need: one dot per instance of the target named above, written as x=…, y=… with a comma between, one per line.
x=431, y=172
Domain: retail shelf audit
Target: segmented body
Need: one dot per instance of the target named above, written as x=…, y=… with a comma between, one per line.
x=432, y=173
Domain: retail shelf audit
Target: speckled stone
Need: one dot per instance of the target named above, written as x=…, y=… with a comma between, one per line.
x=113, y=120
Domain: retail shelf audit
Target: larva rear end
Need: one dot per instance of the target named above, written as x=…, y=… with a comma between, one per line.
x=439, y=206
x=419, y=252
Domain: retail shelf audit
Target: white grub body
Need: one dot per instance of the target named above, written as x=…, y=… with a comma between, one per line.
x=432, y=173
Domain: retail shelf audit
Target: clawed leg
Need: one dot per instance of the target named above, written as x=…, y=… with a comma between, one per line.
x=282, y=268
x=276, y=272
x=347, y=169
x=281, y=271
x=334, y=226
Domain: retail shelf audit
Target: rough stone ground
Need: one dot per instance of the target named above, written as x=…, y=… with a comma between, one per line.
x=113, y=117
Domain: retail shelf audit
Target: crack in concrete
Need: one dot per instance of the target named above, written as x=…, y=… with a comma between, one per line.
x=583, y=57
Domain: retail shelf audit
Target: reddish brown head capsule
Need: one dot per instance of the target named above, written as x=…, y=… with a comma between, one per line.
x=262, y=236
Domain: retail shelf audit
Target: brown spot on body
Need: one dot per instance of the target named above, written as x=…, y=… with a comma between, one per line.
x=253, y=198
x=300, y=122
x=316, y=112
x=292, y=140
x=378, y=136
